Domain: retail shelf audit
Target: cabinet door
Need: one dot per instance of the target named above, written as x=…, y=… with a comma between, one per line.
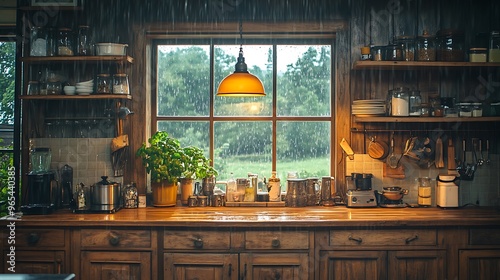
x=37, y=262
x=347, y=265
x=479, y=264
x=115, y=265
x=267, y=266
x=200, y=266
x=424, y=265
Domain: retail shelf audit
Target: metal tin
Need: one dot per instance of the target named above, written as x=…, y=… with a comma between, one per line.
x=193, y=201
x=202, y=200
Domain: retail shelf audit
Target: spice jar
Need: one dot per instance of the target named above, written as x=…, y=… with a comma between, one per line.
x=393, y=53
x=120, y=84
x=450, y=45
x=65, y=42
x=130, y=196
x=103, y=83
x=400, y=102
x=494, y=52
x=426, y=47
x=465, y=109
x=477, y=55
x=477, y=109
x=415, y=103
x=407, y=44
x=377, y=53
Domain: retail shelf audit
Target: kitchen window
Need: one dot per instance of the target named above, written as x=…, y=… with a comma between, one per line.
x=289, y=130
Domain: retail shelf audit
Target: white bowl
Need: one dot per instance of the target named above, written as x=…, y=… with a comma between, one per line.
x=69, y=92
x=85, y=83
x=111, y=49
x=84, y=88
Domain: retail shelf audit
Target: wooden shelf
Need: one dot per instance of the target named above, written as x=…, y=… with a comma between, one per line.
x=97, y=58
x=73, y=97
x=415, y=65
x=423, y=119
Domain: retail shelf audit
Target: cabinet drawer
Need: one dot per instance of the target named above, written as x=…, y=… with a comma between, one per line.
x=194, y=239
x=115, y=238
x=484, y=237
x=383, y=237
x=25, y=237
x=272, y=240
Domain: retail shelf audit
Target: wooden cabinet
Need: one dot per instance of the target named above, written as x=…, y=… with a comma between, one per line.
x=236, y=254
x=37, y=250
x=382, y=254
x=481, y=258
x=115, y=253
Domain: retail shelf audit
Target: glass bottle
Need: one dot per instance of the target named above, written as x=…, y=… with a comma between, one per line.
x=83, y=40
x=65, y=42
x=232, y=190
x=274, y=187
x=494, y=51
x=415, y=103
x=426, y=47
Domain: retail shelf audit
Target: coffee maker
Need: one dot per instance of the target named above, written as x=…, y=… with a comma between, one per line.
x=41, y=194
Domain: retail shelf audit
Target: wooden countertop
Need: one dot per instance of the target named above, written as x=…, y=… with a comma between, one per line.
x=212, y=217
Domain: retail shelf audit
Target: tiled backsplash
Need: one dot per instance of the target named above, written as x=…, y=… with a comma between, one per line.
x=89, y=157
x=485, y=188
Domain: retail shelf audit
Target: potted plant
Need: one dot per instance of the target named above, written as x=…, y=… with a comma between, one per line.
x=195, y=159
x=164, y=159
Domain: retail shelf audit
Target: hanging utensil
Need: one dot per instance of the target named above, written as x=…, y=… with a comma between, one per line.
x=466, y=170
x=452, y=164
x=438, y=160
x=392, y=160
x=488, y=152
x=481, y=160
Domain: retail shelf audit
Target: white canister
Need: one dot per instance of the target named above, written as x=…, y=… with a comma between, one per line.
x=400, y=102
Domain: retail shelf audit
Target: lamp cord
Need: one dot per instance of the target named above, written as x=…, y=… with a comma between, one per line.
x=241, y=36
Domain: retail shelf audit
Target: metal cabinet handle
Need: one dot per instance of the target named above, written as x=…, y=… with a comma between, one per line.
x=244, y=275
x=359, y=240
x=275, y=243
x=411, y=239
x=58, y=266
x=33, y=238
x=198, y=243
x=114, y=239
x=230, y=271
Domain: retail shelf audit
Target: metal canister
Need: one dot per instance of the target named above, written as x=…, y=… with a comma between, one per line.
x=296, y=193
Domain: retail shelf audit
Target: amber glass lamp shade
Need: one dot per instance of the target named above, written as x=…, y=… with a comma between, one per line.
x=241, y=83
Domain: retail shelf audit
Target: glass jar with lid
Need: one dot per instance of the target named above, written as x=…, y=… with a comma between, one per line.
x=407, y=44
x=450, y=45
x=83, y=40
x=120, y=84
x=65, y=42
x=426, y=47
x=103, y=83
x=477, y=55
x=494, y=51
x=393, y=53
x=400, y=101
x=415, y=103
x=377, y=53
x=38, y=41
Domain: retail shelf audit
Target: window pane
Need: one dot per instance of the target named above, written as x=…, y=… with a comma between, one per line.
x=303, y=147
x=189, y=133
x=303, y=82
x=242, y=147
x=7, y=84
x=259, y=63
x=183, y=80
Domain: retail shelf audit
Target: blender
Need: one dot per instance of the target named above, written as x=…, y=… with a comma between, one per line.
x=42, y=194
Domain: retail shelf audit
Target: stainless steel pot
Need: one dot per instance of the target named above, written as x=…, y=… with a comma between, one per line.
x=105, y=195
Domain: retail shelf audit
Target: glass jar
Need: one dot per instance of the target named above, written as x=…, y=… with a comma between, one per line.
x=377, y=53
x=130, y=196
x=494, y=51
x=425, y=110
x=103, y=83
x=54, y=88
x=477, y=55
x=450, y=45
x=120, y=84
x=51, y=41
x=400, y=102
x=83, y=40
x=38, y=41
x=393, y=53
x=40, y=159
x=477, y=109
x=415, y=103
x=33, y=88
x=407, y=44
x=464, y=109
x=65, y=42
x=426, y=47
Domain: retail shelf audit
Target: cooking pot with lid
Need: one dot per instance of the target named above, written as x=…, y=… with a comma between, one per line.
x=105, y=195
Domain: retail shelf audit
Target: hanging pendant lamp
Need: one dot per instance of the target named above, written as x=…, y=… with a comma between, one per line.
x=241, y=83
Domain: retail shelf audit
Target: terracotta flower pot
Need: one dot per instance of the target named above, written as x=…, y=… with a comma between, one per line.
x=187, y=189
x=164, y=194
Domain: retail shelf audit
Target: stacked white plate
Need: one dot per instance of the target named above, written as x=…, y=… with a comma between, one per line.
x=85, y=88
x=368, y=107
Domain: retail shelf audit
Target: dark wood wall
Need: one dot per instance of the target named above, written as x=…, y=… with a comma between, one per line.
x=374, y=22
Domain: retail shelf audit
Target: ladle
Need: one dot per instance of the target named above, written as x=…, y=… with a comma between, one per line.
x=123, y=112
